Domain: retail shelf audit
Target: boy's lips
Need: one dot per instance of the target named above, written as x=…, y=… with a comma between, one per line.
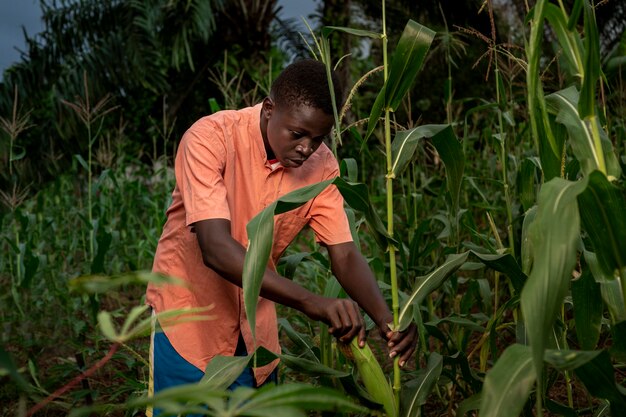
x=297, y=162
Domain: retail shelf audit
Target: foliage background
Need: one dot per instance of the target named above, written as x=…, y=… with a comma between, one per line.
x=92, y=114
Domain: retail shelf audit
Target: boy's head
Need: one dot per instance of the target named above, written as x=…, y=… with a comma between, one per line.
x=305, y=82
x=298, y=114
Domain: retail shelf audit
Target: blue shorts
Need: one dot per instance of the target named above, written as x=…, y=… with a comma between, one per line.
x=169, y=369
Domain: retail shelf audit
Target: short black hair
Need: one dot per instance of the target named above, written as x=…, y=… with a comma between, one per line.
x=305, y=83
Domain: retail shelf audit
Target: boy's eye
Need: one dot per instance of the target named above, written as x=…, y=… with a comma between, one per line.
x=296, y=135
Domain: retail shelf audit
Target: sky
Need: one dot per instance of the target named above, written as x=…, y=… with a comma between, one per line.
x=18, y=14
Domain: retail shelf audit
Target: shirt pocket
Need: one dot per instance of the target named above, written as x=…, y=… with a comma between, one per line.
x=286, y=228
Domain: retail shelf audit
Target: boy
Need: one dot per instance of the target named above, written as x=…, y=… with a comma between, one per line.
x=230, y=166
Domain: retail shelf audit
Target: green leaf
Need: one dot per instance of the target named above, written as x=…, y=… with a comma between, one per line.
x=134, y=314
x=567, y=360
x=291, y=262
x=598, y=376
x=405, y=143
x=545, y=142
x=350, y=169
x=451, y=153
x=309, y=367
x=99, y=284
x=426, y=284
x=506, y=264
x=458, y=321
x=416, y=391
x=555, y=234
x=527, y=187
x=327, y=30
x=563, y=104
x=610, y=288
x=103, y=240
x=222, y=371
x=106, y=326
x=568, y=39
x=602, y=207
x=300, y=396
x=213, y=105
x=587, y=103
x=82, y=162
x=469, y=404
x=618, y=346
x=508, y=383
x=375, y=112
x=588, y=309
x=408, y=59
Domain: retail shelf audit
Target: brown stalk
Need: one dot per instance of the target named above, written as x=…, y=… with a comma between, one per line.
x=75, y=381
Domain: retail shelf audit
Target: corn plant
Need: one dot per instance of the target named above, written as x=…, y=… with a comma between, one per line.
x=565, y=209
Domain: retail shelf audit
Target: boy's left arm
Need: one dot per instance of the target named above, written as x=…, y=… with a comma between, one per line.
x=355, y=276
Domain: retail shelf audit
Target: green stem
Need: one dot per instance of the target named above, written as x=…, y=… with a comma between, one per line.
x=18, y=266
x=568, y=378
x=395, y=305
x=89, y=205
x=503, y=160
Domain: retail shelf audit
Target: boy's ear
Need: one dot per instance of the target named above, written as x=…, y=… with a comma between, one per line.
x=268, y=107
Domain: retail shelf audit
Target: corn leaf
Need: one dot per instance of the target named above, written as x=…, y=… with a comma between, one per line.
x=327, y=30
x=587, y=103
x=426, y=284
x=568, y=360
x=526, y=184
x=408, y=58
x=508, y=383
x=555, y=234
x=598, y=376
x=569, y=40
x=405, y=143
x=602, y=207
x=506, y=264
x=549, y=150
x=451, y=152
x=106, y=326
x=564, y=104
x=469, y=404
x=222, y=371
x=298, y=396
x=610, y=288
x=417, y=390
x=350, y=169
x=588, y=309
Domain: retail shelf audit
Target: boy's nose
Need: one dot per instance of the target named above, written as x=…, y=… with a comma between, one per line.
x=305, y=148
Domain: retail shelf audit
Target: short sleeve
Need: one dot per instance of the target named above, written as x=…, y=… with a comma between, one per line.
x=200, y=162
x=328, y=217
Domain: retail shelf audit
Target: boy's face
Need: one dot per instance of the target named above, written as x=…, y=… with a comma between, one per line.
x=292, y=134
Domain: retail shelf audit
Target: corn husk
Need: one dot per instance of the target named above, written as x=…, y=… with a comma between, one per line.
x=376, y=383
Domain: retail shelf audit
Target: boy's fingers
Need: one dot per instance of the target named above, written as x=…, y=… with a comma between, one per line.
x=362, y=337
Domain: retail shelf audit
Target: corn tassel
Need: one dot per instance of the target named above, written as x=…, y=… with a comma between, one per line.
x=375, y=381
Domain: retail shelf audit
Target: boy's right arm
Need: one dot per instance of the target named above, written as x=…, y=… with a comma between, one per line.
x=225, y=256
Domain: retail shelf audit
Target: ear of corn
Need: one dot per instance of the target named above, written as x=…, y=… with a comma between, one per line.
x=375, y=381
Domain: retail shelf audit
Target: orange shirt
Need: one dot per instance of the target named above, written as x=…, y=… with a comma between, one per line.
x=222, y=172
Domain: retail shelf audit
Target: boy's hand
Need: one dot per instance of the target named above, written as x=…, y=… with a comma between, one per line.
x=400, y=344
x=342, y=316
